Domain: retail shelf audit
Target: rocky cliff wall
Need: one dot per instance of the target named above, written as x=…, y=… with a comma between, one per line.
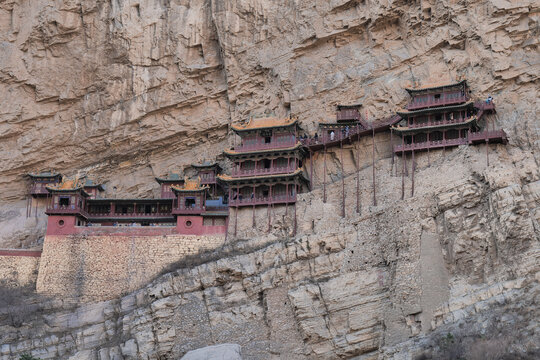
x=452, y=270
x=125, y=90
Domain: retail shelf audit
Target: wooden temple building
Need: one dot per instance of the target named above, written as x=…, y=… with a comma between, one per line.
x=442, y=116
x=267, y=165
x=74, y=207
x=40, y=181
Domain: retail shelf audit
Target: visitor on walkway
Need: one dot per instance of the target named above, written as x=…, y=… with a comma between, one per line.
x=316, y=137
x=347, y=131
x=332, y=135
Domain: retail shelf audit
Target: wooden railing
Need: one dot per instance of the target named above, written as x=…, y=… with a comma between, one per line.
x=65, y=209
x=269, y=171
x=487, y=135
x=445, y=99
x=129, y=215
x=430, y=144
x=440, y=122
x=262, y=200
x=278, y=143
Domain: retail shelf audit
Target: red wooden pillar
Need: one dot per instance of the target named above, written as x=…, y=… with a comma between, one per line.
x=253, y=202
x=428, y=146
x=444, y=142
x=324, y=174
x=286, y=198
x=269, y=204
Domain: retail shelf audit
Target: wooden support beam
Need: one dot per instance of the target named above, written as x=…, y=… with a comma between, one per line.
x=253, y=199
x=413, y=168
x=403, y=168
x=324, y=174
x=373, y=165
x=342, y=180
x=269, y=205
x=428, y=161
x=358, y=170
x=392, y=149
x=295, y=218
x=310, y=169
x=487, y=151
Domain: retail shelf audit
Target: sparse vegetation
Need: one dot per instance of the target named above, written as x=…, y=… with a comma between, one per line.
x=18, y=304
x=28, y=357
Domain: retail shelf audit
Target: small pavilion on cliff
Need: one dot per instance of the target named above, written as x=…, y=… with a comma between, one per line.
x=166, y=182
x=268, y=165
x=441, y=116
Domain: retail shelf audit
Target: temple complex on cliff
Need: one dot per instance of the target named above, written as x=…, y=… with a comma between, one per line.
x=442, y=116
x=267, y=168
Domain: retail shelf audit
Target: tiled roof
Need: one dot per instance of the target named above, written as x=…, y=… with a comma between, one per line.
x=435, y=85
x=233, y=152
x=67, y=185
x=405, y=112
x=243, y=178
x=190, y=185
x=262, y=123
x=171, y=177
x=44, y=174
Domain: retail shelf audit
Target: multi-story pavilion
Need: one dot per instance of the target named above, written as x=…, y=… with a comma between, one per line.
x=267, y=164
x=441, y=116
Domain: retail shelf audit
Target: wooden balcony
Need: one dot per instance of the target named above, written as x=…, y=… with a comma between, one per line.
x=137, y=215
x=277, y=199
x=56, y=209
x=430, y=123
x=262, y=172
x=188, y=210
x=284, y=142
x=39, y=189
x=495, y=136
x=444, y=100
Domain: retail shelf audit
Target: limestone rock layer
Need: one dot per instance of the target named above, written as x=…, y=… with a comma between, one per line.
x=126, y=90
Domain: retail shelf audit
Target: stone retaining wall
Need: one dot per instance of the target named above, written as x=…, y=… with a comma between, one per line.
x=19, y=267
x=103, y=267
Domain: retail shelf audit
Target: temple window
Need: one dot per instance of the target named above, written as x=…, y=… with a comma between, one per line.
x=437, y=96
x=267, y=163
x=189, y=202
x=64, y=201
x=267, y=139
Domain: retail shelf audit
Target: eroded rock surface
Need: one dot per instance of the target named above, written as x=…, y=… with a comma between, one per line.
x=126, y=90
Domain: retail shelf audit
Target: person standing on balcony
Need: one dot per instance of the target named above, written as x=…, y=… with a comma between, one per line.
x=316, y=137
x=347, y=131
x=332, y=135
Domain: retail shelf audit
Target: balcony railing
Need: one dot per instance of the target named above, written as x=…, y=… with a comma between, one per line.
x=263, y=200
x=488, y=135
x=430, y=144
x=129, y=215
x=279, y=143
x=208, y=179
x=269, y=171
x=445, y=99
x=430, y=123
x=65, y=209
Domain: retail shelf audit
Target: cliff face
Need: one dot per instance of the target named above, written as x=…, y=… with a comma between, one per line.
x=126, y=90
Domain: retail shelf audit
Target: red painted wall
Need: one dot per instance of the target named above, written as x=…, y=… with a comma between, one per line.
x=183, y=227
